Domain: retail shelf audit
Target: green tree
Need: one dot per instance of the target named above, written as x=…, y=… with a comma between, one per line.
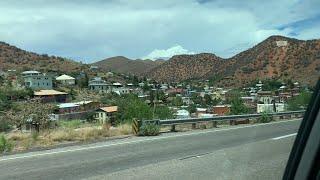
x=135, y=80
x=33, y=110
x=192, y=108
x=5, y=104
x=208, y=100
x=83, y=81
x=1, y=80
x=163, y=112
x=73, y=93
x=161, y=96
x=196, y=98
x=237, y=107
x=299, y=102
x=146, y=87
x=271, y=85
x=5, y=144
x=130, y=106
x=177, y=101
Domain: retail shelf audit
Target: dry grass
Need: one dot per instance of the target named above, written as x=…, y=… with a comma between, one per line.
x=125, y=129
x=18, y=136
x=24, y=141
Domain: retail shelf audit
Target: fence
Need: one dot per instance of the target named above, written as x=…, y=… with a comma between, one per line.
x=233, y=119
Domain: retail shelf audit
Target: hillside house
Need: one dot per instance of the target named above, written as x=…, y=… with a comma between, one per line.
x=221, y=110
x=106, y=114
x=66, y=80
x=119, y=88
x=37, y=80
x=76, y=110
x=99, y=85
x=219, y=93
x=265, y=97
x=187, y=101
x=51, y=96
x=182, y=114
x=269, y=108
x=200, y=111
x=94, y=68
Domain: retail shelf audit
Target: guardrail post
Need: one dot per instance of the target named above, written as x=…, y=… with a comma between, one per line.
x=173, y=128
x=193, y=125
x=232, y=122
x=214, y=124
x=136, y=126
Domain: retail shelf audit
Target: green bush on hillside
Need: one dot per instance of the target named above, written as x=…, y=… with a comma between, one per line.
x=5, y=145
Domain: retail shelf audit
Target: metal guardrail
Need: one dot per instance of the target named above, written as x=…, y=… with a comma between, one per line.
x=234, y=119
x=224, y=118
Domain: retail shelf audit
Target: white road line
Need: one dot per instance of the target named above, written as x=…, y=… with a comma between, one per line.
x=285, y=136
x=129, y=142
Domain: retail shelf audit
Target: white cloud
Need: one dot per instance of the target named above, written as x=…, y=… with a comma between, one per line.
x=94, y=30
x=167, y=53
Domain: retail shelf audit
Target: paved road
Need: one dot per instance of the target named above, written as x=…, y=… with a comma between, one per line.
x=241, y=152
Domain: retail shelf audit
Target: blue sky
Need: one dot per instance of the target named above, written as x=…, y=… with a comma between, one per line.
x=94, y=30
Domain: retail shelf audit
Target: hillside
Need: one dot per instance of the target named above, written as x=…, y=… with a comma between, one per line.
x=183, y=67
x=12, y=57
x=276, y=57
x=124, y=65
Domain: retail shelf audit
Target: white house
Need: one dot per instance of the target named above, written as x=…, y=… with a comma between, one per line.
x=269, y=108
x=66, y=80
x=181, y=114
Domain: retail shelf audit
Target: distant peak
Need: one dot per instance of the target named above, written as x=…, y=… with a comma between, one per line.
x=280, y=38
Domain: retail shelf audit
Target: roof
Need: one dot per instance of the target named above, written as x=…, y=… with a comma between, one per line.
x=201, y=109
x=183, y=112
x=48, y=92
x=110, y=109
x=65, y=77
x=117, y=84
x=30, y=72
x=218, y=106
x=83, y=102
x=67, y=105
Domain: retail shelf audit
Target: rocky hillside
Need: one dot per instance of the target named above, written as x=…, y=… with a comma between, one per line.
x=12, y=57
x=276, y=57
x=124, y=65
x=183, y=67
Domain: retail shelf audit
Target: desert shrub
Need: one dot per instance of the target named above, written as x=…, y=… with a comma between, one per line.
x=149, y=129
x=5, y=144
x=265, y=118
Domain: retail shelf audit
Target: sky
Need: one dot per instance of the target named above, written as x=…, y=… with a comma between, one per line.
x=93, y=30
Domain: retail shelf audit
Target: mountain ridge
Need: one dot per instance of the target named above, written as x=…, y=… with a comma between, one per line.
x=276, y=57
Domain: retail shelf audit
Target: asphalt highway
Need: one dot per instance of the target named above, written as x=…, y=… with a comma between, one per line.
x=240, y=152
